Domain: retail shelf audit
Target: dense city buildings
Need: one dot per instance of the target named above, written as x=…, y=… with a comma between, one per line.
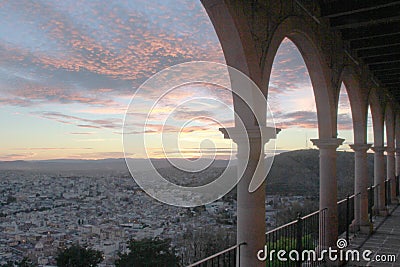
x=42, y=212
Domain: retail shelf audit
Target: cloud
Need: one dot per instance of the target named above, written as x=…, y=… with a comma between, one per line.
x=99, y=155
x=299, y=119
x=81, y=133
x=54, y=148
x=110, y=123
x=72, y=47
x=308, y=119
x=17, y=156
x=345, y=121
x=289, y=71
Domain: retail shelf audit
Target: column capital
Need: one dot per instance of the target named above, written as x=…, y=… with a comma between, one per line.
x=378, y=149
x=327, y=142
x=241, y=134
x=360, y=147
x=390, y=150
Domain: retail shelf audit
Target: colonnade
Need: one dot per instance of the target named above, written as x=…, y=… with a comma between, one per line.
x=250, y=33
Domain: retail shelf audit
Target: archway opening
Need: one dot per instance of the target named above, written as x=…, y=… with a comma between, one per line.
x=370, y=128
x=345, y=157
x=295, y=170
x=345, y=119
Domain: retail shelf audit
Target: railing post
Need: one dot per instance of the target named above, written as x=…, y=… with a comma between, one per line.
x=299, y=237
x=388, y=195
x=238, y=255
x=370, y=201
x=347, y=217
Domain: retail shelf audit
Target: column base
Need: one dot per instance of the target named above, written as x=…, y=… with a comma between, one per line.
x=354, y=227
x=395, y=201
x=364, y=228
x=380, y=212
x=367, y=228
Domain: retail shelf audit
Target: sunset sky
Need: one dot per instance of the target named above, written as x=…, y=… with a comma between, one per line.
x=68, y=70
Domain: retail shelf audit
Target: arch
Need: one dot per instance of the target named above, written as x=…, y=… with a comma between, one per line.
x=377, y=113
x=238, y=47
x=345, y=121
x=239, y=50
x=294, y=109
x=295, y=29
x=358, y=99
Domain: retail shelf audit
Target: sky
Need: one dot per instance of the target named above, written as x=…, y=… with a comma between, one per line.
x=69, y=69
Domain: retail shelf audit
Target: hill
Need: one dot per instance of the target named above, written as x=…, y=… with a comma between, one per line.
x=297, y=173
x=294, y=172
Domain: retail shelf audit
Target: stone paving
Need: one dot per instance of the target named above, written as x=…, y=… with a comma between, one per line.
x=383, y=242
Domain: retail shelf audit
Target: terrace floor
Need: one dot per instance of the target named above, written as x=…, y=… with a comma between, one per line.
x=385, y=240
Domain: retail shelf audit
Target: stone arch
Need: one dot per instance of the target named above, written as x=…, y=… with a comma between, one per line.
x=237, y=45
x=298, y=31
x=358, y=104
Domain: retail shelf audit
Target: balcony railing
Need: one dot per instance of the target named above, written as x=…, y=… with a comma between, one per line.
x=346, y=210
x=372, y=193
x=303, y=233
x=387, y=193
x=225, y=258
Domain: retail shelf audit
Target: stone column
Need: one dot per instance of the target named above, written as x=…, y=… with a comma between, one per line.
x=361, y=220
x=397, y=153
x=379, y=181
x=328, y=189
x=391, y=176
x=250, y=205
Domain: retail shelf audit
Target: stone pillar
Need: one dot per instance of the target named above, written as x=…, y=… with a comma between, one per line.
x=328, y=189
x=379, y=181
x=397, y=152
x=391, y=176
x=361, y=220
x=250, y=205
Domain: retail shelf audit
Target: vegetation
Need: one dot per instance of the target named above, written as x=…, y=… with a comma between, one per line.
x=286, y=215
x=78, y=256
x=297, y=173
x=288, y=244
x=148, y=252
x=202, y=243
x=25, y=262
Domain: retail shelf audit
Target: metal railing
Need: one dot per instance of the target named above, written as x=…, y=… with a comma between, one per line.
x=225, y=258
x=304, y=233
x=371, y=199
x=387, y=193
x=346, y=210
x=301, y=234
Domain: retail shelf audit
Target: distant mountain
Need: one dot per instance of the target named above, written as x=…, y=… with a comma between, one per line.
x=64, y=165
x=92, y=165
x=297, y=173
x=294, y=172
